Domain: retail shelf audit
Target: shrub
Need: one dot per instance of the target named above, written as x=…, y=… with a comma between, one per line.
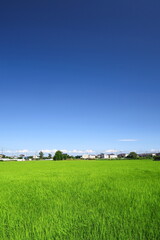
x=156, y=158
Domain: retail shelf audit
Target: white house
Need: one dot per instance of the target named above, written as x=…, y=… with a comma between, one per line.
x=88, y=156
x=35, y=157
x=112, y=156
x=84, y=156
x=107, y=156
x=91, y=156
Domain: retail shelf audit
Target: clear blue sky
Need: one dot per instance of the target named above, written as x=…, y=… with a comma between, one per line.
x=80, y=75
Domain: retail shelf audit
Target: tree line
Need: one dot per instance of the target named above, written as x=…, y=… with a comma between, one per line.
x=57, y=156
x=63, y=156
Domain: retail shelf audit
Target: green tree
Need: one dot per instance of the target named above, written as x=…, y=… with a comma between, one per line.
x=78, y=157
x=156, y=158
x=41, y=155
x=49, y=156
x=133, y=155
x=66, y=156
x=58, y=155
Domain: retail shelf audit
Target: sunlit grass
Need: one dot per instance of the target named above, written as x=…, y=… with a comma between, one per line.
x=90, y=200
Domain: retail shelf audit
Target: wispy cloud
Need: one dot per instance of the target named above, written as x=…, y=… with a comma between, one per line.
x=74, y=151
x=154, y=150
x=65, y=151
x=22, y=151
x=48, y=150
x=128, y=140
x=111, y=151
x=17, y=151
x=78, y=151
x=52, y=151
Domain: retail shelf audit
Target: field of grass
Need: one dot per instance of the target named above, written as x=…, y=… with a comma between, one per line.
x=89, y=200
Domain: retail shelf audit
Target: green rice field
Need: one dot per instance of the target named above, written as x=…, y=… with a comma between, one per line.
x=74, y=200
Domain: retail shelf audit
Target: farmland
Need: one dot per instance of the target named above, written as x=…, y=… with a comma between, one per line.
x=74, y=200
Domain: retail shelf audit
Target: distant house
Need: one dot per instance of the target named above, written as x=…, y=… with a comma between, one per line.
x=106, y=156
x=8, y=159
x=101, y=155
x=112, y=156
x=147, y=155
x=35, y=157
x=91, y=156
x=88, y=156
x=122, y=155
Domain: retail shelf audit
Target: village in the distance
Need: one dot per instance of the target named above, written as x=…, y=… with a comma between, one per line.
x=59, y=155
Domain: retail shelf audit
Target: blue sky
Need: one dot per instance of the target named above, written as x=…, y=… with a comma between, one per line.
x=80, y=75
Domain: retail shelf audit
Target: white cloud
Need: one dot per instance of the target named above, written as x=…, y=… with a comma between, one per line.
x=22, y=151
x=8, y=151
x=68, y=151
x=52, y=151
x=89, y=151
x=111, y=151
x=17, y=151
x=154, y=150
x=74, y=151
x=77, y=151
x=48, y=150
x=128, y=140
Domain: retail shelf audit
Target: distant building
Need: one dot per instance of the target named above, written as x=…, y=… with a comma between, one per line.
x=122, y=155
x=88, y=156
x=112, y=156
x=91, y=156
x=106, y=156
x=35, y=157
x=101, y=155
x=145, y=155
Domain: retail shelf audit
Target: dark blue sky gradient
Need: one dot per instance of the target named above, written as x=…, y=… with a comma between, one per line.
x=80, y=74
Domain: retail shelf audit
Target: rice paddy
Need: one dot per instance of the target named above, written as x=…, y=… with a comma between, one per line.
x=75, y=200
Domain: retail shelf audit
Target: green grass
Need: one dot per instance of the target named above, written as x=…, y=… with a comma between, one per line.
x=90, y=200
